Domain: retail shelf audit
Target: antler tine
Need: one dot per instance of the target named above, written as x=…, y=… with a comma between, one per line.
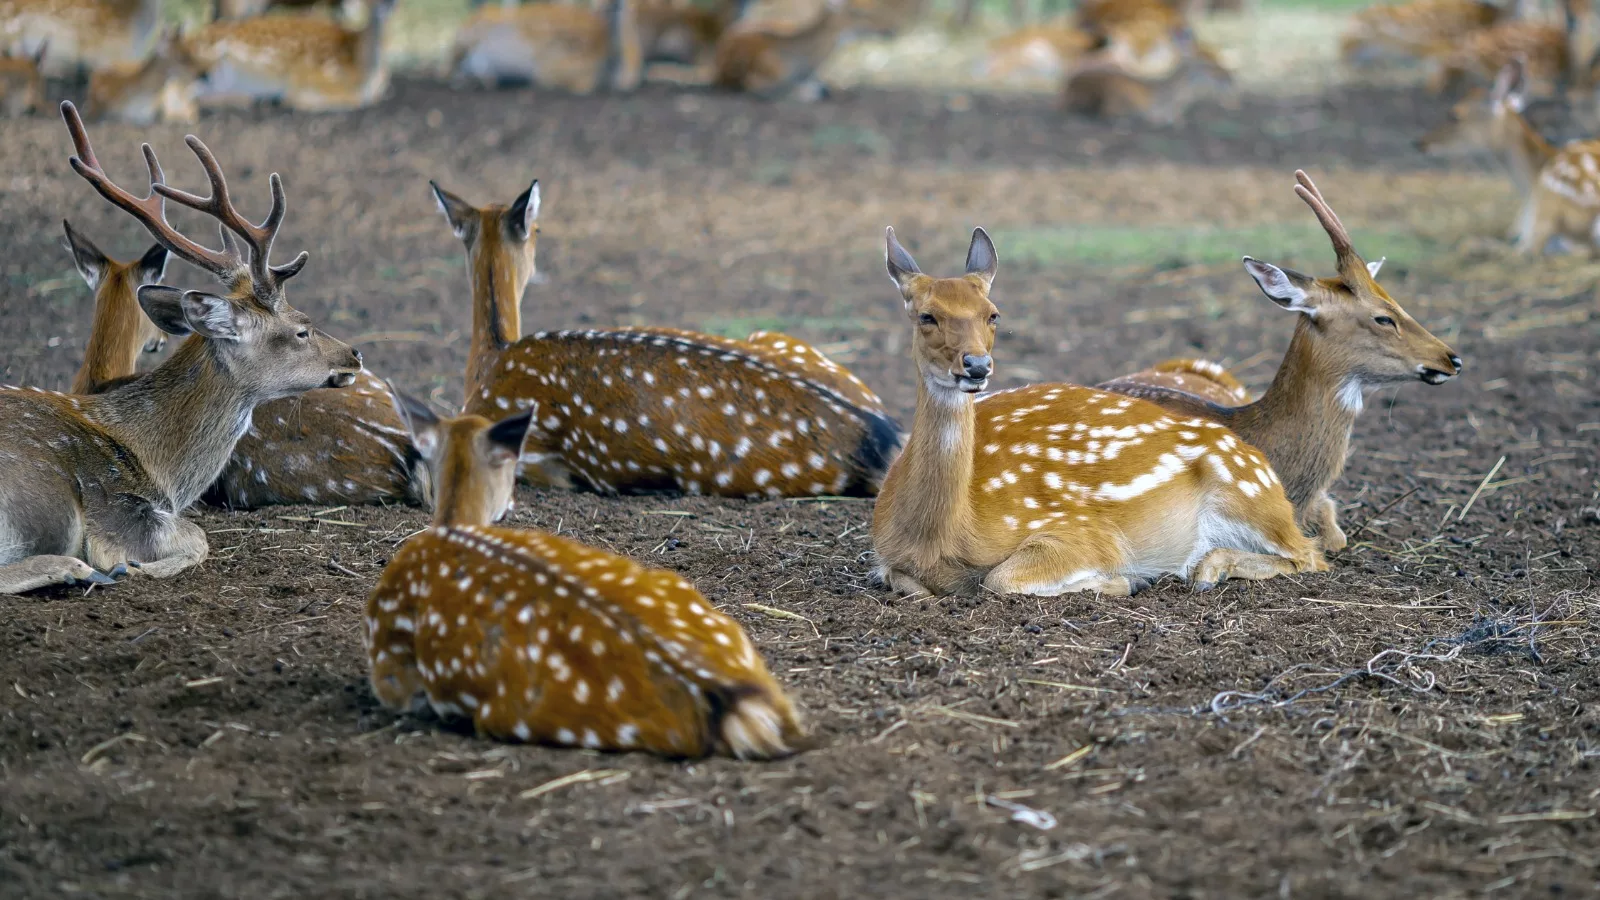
x=1343, y=248
x=219, y=205
x=150, y=210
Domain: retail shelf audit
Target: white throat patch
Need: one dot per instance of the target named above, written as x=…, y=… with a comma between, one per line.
x=1351, y=396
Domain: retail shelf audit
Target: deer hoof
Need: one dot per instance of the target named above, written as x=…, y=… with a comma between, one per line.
x=98, y=578
x=1135, y=585
x=118, y=570
x=1201, y=587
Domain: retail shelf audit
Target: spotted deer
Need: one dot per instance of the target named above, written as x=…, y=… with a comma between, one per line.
x=640, y=410
x=92, y=485
x=160, y=88
x=1416, y=28
x=309, y=63
x=21, y=82
x=1350, y=337
x=244, y=9
x=570, y=47
x=1560, y=187
x=538, y=638
x=772, y=62
x=1101, y=86
x=1200, y=377
x=1055, y=488
x=1479, y=56
x=81, y=34
x=683, y=35
x=1043, y=51
x=121, y=331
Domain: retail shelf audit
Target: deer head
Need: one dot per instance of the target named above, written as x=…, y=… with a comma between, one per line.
x=252, y=331
x=1484, y=120
x=471, y=461
x=494, y=229
x=103, y=274
x=1366, y=336
x=954, y=319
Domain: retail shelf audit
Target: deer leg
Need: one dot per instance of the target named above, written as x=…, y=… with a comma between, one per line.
x=43, y=571
x=1534, y=230
x=183, y=547
x=1323, y=518
x=1047, y=566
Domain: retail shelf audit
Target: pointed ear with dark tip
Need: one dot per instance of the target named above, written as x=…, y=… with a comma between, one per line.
x=1285, y=287
x=1511, y=85
x=523, y=216
x=164, y=306
x=419, y=419
x=981, y=258
x=459, y=213
x=902, y=268
x=505, y=437
x=1373, y=267
x=152, y=266
x=90, y=262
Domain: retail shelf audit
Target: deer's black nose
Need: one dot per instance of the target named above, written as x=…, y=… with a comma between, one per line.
x=977, y=367
x=358, y=355
x=1455, y=361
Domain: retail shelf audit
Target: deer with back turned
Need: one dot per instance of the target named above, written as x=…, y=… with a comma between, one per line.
x=1350, y=337
x=542, y=639
x=121, y=331
x=1055, y=488
x=92, y=485
x=638, y=410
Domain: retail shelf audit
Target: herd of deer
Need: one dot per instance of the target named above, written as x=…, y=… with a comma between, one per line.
x=1040, y=490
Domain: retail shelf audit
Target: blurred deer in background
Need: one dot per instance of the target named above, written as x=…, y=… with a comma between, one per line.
x=21, y=83
x=538, y=638
x=90, y=485
x=1100, y=86
x=1479, y=56
x=1055, y=488
x=121, y=331
x=244, y=9
x=309, y=63
x=1349, y=338
x=1415, y=29
x=551, y=44
x=637, y=410
x=161, y=88
x=80, y=34
x=771, y=62
x=1560, y=188
x=1042, y=51
x=683, y=35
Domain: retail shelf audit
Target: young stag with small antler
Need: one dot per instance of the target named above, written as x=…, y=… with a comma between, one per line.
x=537, y=638
x=637, y=410
x=121, y=330
x=93, y=484
x=1055, y=488
x=1560, y=187
x=1350, y=337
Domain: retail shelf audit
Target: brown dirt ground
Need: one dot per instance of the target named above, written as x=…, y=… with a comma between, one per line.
x=1419, y=722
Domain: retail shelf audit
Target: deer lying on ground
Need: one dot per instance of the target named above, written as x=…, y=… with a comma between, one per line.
x=1100, y=86
x=636, y=410
x=160, y=88
x=91, y=485
x=1415, y=29
x=683, y=35
x=309, y=63
x=772, y=63
x=121, y=330
x=1055, y=488
x=1560, y=188
x=1199, y=377
x=21, y=83
x=81, y=34
x=538, y=638
x=1481, y=55
x=1043, y=51
x=1350, y=337
x=551, y=44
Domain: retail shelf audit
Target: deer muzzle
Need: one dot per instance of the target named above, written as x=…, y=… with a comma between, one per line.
x=1440, y=376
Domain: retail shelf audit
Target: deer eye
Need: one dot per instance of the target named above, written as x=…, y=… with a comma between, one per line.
x=926, y=319
x=303, y=334
x=1384, y=320
x=994, y=319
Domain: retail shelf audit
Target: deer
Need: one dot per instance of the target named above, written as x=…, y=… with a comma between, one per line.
x=1560, y=187
x=1350, y=337
x=308, y=63
x=1101, y=86
x=772, y=63
x=160, y=88
x=1479, y=55
x=80, y=34
x=1057, y=488
x=245, y=9
x=1043, y=50
x=1416, y=28
x=569, y=47
x=21, y=82
x=683, y=35
x=536, y=638
x=121, y=330
x=91, y=486
x=647, y=410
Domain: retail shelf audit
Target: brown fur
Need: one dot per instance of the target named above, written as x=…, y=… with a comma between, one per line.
x=537, y=638
x=120, y=331
x=1200, y=377
x=160, y=88
x=82, y=34
x=1101, y=86
x=310, y=63
x=1046, y=49
x=1056, y=488
x=769, y=63
x=1478, y=56
x=21, y=83
x=553, y=44
x=1416, y=28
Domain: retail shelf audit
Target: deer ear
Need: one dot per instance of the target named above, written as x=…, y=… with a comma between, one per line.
x=420, y=421
x=981, y=258
x=152, y=266
x=459, y=213
x=505, y=436
x=1511, y=85
x=902, y=268
x=524, y=212
x=91, y=263
x=210, y=316
x=164, y=306
x=1373, y=267
x=1285, y=287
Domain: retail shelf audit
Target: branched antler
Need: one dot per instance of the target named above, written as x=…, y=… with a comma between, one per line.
x=1337, y=234
x=150, y=210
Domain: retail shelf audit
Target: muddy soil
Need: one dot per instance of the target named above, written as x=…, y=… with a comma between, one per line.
x=1420, y=721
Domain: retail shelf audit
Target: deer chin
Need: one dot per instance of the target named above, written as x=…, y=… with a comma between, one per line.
x=971, y=385
x=1433, y=376
x=339, y=379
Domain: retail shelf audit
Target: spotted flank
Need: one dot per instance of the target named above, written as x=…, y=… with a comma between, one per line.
x=539, y=639
x=646, y=410
x=1200, y=378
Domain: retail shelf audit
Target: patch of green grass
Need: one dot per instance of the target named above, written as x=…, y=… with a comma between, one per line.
x=1170, y=246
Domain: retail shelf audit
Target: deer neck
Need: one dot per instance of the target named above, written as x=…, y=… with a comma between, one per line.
x=115, y=338
x=463, y=499
x=181, y=420
x=1524, y=153
x=496, y=310
x=1303, y=421
x=931, y=509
